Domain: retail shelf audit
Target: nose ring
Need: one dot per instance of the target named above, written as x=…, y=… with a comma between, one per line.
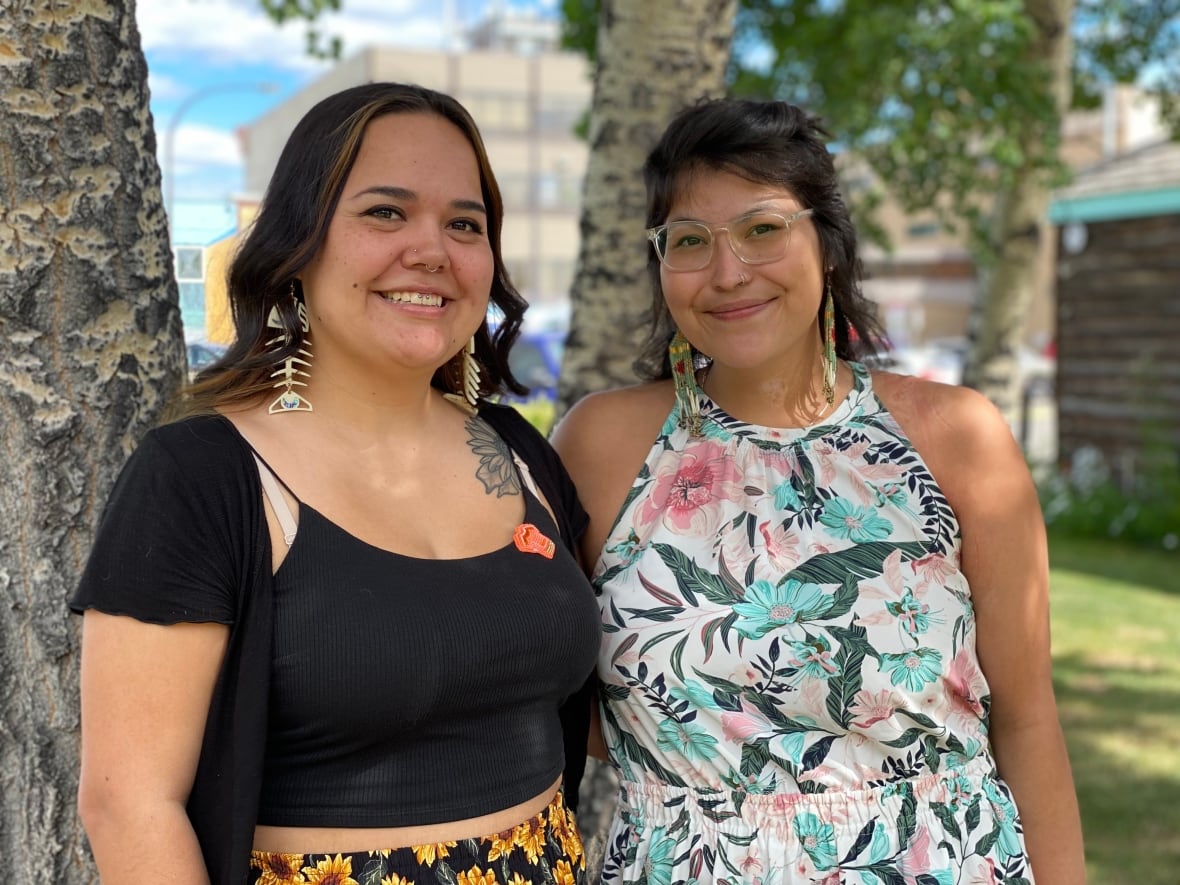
x=742, y=279
x=434, y=269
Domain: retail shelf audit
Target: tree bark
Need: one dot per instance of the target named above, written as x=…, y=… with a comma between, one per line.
x=653, y=59
x=90, y=350
x=999, y=319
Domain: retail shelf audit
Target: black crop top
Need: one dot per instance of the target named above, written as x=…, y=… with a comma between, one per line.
x=184, y=538
x=411, y=691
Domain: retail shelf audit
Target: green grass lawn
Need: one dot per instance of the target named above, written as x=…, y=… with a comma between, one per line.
x=1116, y=652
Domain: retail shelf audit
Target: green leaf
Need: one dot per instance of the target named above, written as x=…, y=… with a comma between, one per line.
x=863, y=561
x=692, y=579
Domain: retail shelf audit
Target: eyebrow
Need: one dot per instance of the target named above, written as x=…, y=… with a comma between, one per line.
x=762, y=206
x=409, y=196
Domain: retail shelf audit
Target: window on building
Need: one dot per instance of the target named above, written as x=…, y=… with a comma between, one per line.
x=190, y=278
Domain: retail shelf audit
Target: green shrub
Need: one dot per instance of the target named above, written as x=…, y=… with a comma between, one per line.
x=1088, y=501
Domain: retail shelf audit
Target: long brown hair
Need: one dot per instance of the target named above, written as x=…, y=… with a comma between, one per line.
x=292, y=223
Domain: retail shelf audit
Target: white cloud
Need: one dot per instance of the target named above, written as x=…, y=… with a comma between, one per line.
x=230, y=32
x=196, y=145
x=163, y=87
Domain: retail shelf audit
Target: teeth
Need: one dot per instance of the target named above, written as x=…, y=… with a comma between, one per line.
x=413, y=298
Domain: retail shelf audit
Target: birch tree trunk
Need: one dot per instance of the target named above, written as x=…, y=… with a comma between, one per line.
x=90, y=349
x=653, y=59
x=999, y=318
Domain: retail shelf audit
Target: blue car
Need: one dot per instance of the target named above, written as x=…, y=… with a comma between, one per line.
x=535, y=361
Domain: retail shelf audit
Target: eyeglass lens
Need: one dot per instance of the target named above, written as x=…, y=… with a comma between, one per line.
x=688, y=245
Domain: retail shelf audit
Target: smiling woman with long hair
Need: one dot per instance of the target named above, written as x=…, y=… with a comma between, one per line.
x=824, y=587
x=333, y=620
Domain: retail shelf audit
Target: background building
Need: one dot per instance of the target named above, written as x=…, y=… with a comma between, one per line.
x=527, y=97
x=1118, y=306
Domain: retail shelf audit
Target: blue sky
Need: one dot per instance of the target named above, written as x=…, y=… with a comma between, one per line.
x=223, y=54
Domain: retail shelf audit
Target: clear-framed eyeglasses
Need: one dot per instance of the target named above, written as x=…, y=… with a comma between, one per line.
x=757, y=238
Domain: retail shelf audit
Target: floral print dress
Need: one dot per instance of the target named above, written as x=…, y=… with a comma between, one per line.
x=791, y=691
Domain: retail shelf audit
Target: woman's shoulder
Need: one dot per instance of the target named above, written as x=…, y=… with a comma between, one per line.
x=954, y=428
x=622, y=409
x=204, y=454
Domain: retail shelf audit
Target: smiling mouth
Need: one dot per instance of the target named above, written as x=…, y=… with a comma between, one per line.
x=413, y=298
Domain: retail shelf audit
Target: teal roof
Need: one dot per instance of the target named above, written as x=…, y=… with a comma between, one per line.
x=1139, y=183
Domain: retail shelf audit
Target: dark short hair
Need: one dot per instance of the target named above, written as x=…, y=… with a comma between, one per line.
x=769, y=142
x=292, y=224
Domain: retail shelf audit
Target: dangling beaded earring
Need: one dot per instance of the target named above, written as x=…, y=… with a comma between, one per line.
x=829, y=346
x=684, y=377
x=468, y=401
x=290, y=400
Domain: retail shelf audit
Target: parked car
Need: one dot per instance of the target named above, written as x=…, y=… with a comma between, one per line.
x=535, y=361
x=202, y=354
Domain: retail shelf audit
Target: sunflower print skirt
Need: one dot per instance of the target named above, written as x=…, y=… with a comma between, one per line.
x=542, y=850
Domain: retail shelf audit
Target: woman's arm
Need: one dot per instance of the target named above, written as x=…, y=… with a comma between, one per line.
x=146, y=691
x=981, y=469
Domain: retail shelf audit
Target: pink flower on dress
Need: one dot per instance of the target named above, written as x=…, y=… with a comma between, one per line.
x=934, y=569
x=915, y=860
x=782, y=546
x=868, y=708
x=966, y=684
x=688, y=492
x=746, y=725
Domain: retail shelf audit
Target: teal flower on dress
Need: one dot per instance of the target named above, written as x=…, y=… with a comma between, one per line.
x=687, y=739
x=914, y=615
x=660, y=855
x=696, y=694
x=818, y=838
x=761, y=783
x=879, y=847
x=957, y=761
x=767, y=607
x=813, y=657
x=628, y=550
x=914, y=669
x=792, y=745
x=785, y=497
x=859, y=524
x=1005, y=815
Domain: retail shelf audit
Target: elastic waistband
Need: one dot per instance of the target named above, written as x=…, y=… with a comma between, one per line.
x=659, y=804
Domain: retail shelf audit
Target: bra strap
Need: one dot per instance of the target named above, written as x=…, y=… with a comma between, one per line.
x=270, y=486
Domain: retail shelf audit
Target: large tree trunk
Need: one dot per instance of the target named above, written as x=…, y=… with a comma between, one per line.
x=999, y=319
x=90, y=349
x=652, y=60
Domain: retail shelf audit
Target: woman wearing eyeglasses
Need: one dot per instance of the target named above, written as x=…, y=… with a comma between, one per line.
x=824, y=588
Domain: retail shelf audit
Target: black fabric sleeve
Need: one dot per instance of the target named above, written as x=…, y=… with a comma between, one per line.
x=168, y=547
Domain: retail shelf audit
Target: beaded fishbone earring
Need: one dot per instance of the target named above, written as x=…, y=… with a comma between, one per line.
x=290, y=400
x=684, y=377
x=829, y=346
x=468, y=400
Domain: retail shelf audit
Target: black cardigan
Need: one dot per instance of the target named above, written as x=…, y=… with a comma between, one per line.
x=217, y=484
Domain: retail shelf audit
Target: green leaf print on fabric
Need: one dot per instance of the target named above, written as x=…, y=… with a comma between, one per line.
x=842, y=690
x=691, y=579
x=861, y=561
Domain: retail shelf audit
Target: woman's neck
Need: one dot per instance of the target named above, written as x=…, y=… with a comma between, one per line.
x=789, y=394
